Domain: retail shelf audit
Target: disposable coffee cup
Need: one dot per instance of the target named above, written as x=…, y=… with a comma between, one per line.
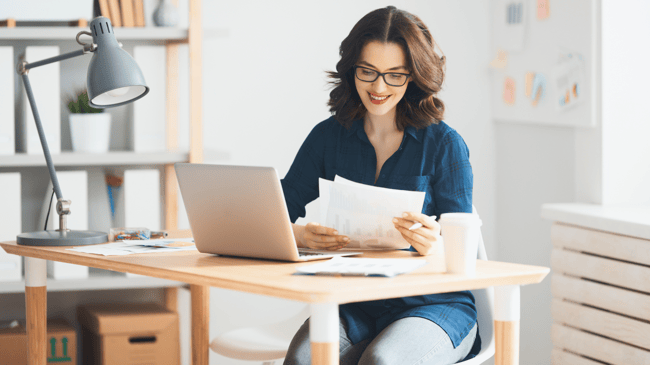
x=460, y=234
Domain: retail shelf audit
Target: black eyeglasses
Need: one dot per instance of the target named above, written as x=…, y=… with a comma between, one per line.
x=390, y=78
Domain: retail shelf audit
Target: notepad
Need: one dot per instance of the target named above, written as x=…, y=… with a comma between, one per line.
x=349, y=266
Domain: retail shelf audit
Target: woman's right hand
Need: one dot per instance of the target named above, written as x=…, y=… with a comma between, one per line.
x=323, y=238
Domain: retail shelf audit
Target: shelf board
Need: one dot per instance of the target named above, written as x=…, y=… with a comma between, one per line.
x=162, y=34
x=95, y=159
x=62, y=32
x=106, y=280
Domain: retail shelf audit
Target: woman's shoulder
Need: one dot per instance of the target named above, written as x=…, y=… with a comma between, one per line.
x=329, y=127
x=442, y=131
x=329, y=124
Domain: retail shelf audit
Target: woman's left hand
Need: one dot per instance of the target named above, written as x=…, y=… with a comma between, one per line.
x=424, y=239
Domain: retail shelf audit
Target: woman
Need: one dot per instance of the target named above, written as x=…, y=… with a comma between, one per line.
x=386, y=130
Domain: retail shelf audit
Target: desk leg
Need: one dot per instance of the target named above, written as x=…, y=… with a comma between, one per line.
x=200, y=324
x=324, y=333
x=36, y=310
x=506, y=324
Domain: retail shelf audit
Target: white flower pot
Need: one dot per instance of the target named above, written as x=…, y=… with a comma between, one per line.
x=90, y=133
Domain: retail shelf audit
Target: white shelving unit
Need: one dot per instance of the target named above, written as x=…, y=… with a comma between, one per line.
x=170, y=38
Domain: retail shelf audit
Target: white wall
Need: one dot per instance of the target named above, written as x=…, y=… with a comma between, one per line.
x=535, y=165
x=265, y=89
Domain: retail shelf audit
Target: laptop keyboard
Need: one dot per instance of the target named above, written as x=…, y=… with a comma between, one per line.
x=305, y=253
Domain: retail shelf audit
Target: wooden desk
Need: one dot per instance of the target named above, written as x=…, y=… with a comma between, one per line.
x=275, y=279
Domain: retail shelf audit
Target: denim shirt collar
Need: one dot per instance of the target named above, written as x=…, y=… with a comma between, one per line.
x=357, y=127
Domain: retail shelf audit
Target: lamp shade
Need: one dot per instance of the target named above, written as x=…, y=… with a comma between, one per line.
x=114, y=77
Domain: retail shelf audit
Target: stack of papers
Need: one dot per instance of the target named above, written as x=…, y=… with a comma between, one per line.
x=365, y=213
x=130, y=247
x=348, y=266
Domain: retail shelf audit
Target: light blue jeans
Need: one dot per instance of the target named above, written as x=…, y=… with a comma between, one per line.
x=408, y=341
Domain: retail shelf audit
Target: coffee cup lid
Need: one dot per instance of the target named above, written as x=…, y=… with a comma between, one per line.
x=460, y=219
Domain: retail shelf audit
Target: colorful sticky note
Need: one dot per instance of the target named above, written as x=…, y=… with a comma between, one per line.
x=529, y=83
x=539, y=88
x=509, y=91
x=501, y=61
x=543, y=10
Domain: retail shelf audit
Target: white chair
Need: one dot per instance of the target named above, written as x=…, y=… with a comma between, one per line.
x=266, y=343
x=270, y=342
x=485, y=310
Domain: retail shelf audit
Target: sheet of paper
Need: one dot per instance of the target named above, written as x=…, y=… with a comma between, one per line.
x=362, y=267
x=511, y=25
x=569, y=80
x=365, y=213
x=177, y=243
x=138, y=246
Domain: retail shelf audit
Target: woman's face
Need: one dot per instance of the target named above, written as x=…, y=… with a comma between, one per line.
x=378, y=97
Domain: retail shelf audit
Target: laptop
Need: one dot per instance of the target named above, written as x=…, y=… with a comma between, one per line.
x=240, y=211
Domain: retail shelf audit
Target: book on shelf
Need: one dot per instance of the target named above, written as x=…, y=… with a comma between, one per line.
x=7, y=121
x=149, y=114
x=45, y=82
x=116, y=14
x=11, y=266
x=126, y=6
x=138, y=13
x=74, y=187
x=102, y=9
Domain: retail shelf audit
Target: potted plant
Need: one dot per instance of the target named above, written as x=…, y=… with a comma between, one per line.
x=90, y=128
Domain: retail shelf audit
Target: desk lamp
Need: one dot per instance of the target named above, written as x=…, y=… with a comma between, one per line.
x=113, y=79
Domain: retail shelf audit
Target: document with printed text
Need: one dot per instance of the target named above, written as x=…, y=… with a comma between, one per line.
x=365, y=213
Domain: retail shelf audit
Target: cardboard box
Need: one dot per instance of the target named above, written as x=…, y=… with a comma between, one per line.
x=61, y=344
x=133, y=333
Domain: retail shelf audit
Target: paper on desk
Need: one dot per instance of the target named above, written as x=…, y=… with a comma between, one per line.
x=130, y=247
x=362, y=267
x=365, y=213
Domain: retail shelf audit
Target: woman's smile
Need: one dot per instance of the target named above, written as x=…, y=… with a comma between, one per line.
x=378, y=99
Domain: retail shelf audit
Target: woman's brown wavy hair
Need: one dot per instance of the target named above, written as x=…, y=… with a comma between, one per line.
x=419, y=107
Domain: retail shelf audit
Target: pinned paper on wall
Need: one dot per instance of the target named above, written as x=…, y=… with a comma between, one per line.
x=530, y=84
x=509, y=91
x=569, y=77
x=501, y=61
x=543, y=10
x=511, y=25
x=535, y=87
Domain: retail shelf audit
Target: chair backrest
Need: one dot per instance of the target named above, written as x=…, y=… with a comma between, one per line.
x=485, y=309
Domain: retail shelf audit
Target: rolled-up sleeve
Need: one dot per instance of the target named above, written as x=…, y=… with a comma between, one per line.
x=453, y=179
x=300, y=185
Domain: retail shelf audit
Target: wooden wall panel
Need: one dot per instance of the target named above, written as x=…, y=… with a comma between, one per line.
x=613, y=272
x=601, y=243
x=596, y=347
x=630, y=303
x=602, y=322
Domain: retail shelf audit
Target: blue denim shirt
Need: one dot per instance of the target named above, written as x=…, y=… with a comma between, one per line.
x=434, y=160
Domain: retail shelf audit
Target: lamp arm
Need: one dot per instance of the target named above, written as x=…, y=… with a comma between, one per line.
x=41, y=135
x=24, y=67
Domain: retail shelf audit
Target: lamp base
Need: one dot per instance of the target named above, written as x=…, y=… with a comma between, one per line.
x=58, y=238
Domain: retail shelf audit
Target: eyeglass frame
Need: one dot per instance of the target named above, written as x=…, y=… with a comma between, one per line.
x=383, y=75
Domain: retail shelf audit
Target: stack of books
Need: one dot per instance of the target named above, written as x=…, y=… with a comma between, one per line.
x=123, y=13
